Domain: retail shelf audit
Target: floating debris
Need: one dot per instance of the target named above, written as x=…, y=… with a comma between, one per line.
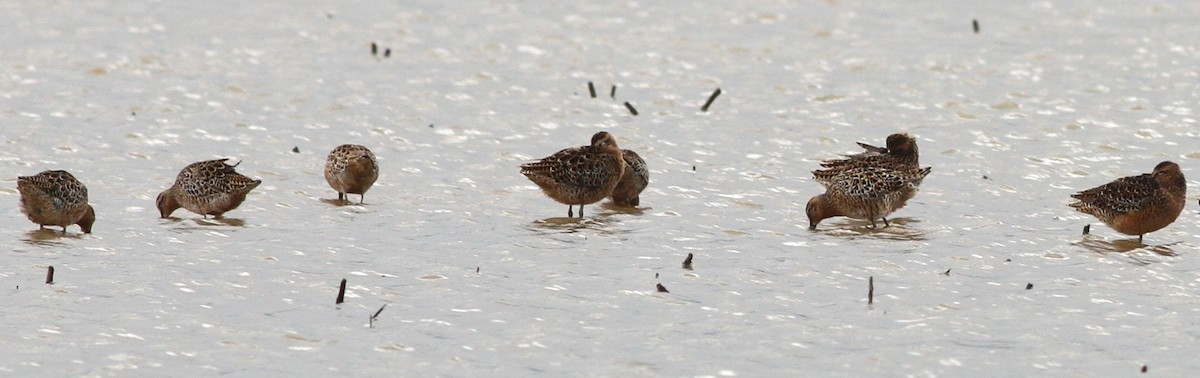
x=1028, y=286
x=296, y=149
x=631, y=109
x=374, y=49
x=592, y=89
x=476, y=270
x=710, y=100
x=656, y=275
x=946, y=273
x=387, y=53
x=341, y=292
x=371, y=320
x=871, y=290
x=662, y=289
x=975, y=26
x=1144, y=368
x=613, y=93
x=50, y=275
x=1087, y=229
x=687, y=263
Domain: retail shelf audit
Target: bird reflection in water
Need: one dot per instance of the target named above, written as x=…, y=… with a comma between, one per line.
x=899, y=230
x=1101, y=246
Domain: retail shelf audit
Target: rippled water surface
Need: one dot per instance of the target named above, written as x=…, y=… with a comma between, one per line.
x=984, y=273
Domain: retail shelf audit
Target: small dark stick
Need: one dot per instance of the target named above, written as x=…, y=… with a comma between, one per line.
x=1028, y=286
x=387, y=53
x=592, y=89
x=693, y=168
x=710, y=100
x=687, y=263
x=1144, y=368
x=1087, y=229
x=342, y=292
x=656, y=276
x=630, y=107
x=371, y=320
x=871, y=290
x=50, y=275
x=613, y=93
x=975, y=26
x=296, y=149
x=946, y=273
x=374, y=49
x=476, y=270
x=662, y=289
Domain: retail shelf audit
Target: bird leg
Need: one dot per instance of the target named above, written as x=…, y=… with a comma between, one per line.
x=885, y=222
x=570, y=211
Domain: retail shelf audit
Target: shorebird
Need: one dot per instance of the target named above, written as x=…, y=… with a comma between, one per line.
x=900, y=154
x=351, y=169
x=56, y=198
x=633, y=182
x=579, y=175
x=209, y=187
x=1137, y=205
x=864, y=193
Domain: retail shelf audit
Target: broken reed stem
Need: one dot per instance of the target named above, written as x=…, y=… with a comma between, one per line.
x=630, y=107
x=871, y=290
x=50, y=274
x=613, y=92
x=975, y=26
x=592, y=89
x=711, y=98
x=687, y=263
x=374, y=49
x=342, y=292
x=1087, y=229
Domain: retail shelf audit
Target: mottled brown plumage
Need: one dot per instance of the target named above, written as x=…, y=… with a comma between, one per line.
x=56, y=198
x=900, y=154
x=1137, y=205
x=579, y=175
x=209, y=187
x=351, y=169
x=865, y=193
x=633, y=181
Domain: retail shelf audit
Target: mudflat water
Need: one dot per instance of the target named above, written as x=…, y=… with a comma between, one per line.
x=481, y=273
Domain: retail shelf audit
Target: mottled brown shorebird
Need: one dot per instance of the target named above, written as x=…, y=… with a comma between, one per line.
x=579, y=175
x=901, y=154
x=209, y=187
x=351, y=169
x=865, y=193
x=1137, y=205
x=633, y=181
x=56, y=198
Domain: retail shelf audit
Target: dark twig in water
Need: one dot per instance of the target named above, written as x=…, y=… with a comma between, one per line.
x=630, y=107
x=592, y=89
x=710, y=100
x=871, y=290
x=476, y=270
x=50, y=275
x=1087, y=229
x=662, y=289
x=374, y=49
x=946, y=273
x=656, y=275
x=687, y=263
x=1029, y=286
x=341, y=292
x=613, y=92
x=296, y=149
x=1144, y=368
x=371, y=320
x=975, y=26
x=387, y=53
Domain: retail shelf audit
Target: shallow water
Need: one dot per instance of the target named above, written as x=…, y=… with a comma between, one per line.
x=481, y=273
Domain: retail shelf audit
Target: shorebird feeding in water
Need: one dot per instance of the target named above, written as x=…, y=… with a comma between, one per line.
x=351, y=169
x=579, y=175
x=633, y=182
x=864, y=193
x=209, y=187
x=1137, y=205
x=56, y=198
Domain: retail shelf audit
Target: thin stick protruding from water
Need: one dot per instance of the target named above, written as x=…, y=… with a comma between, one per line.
x=613, y=92
x=371, y=320
x=871, y=290
x=687, y=263
x=342, y=292
x=50, y=274
x=1087, y=229
x=592, y=89
x=975, y=26
x=630, y=107
x=374, y=49
x=711, y=98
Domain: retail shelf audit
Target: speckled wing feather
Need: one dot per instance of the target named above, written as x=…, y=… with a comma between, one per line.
x=873, y=183
x=60, y=187
x=1123, y=195
x=584, y=167
x=343, y=155
x=205, y=179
